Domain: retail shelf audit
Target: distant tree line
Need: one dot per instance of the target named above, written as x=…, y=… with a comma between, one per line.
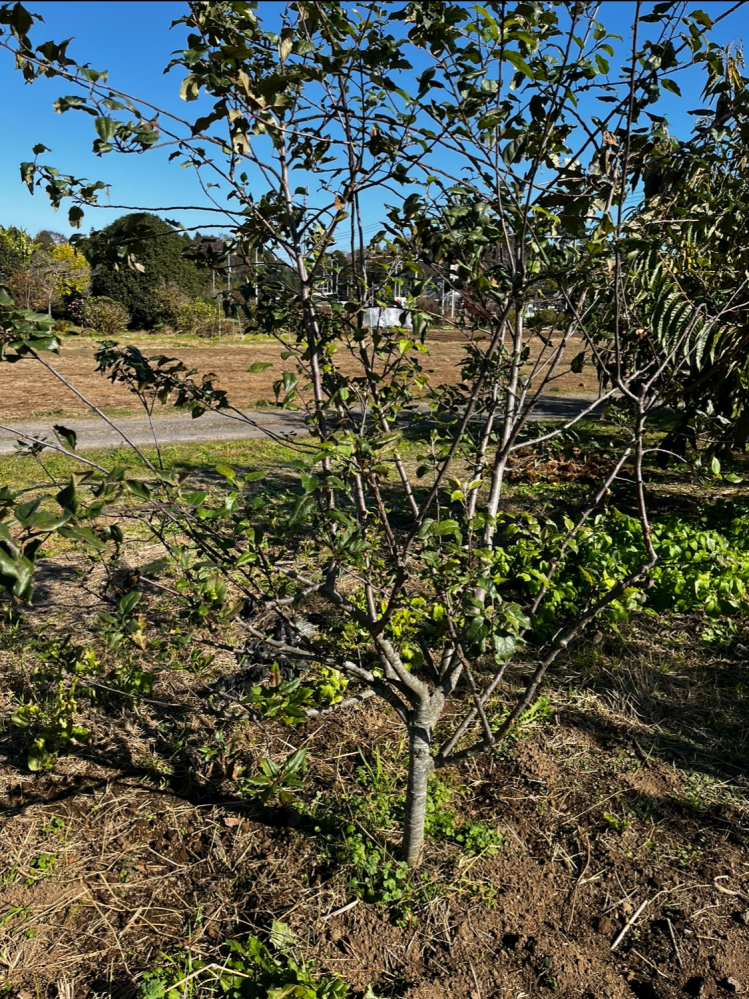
x=159, y=277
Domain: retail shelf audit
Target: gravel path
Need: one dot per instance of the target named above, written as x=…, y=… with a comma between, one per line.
x=94, y=433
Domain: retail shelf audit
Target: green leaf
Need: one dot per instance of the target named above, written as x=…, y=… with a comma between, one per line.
x=295, y=761
x=84, y=534
x=516, y=617
x=38, y=756
x=190, y=88
x=257, y=366
x=67, y=497
x=70, y=437
x=504, y=647
x=302, y=509
x=154, y=568
x=16, y=574
x=128, y=603
x=700, y=17
x=446, y=527
x=105, y=128
x=138, y=488
x=426, y=528
x=518, y=62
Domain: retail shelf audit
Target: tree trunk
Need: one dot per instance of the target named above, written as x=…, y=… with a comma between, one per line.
x=420, y=767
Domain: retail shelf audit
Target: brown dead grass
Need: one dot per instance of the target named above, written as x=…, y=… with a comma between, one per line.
x=28, y=391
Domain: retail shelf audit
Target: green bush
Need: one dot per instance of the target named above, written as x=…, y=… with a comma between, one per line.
x=169, y=299
x=545, y=318
x=703, y=564
x=104, y=317
x=197, y=318
x=157, y=247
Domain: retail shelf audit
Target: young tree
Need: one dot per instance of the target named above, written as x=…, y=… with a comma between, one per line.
x=507, y=139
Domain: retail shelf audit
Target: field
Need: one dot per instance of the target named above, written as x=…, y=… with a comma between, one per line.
x=601, y=852
x=29, y=392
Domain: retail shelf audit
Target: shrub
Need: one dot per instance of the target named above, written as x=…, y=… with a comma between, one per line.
x=170, y=299
x=75, y=311
x=545, y=318
x=197, y=318
x=103, y=316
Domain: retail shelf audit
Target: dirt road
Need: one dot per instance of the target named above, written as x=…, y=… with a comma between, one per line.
x=95, y=433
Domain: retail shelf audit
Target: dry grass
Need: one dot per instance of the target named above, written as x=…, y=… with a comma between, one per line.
x=155, y=853
x=27, y=391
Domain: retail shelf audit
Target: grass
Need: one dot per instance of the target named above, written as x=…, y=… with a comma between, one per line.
x=22, y=472
x=159, y=338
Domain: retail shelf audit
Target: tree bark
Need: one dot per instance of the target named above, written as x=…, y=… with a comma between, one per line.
x=420, y=767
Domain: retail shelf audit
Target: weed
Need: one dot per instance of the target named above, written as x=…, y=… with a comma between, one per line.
x=10, y=627
x=125, y=622
x=15, y=912
x=681, y=856
x=478, y=838
x=277, y=781
x=645, y=808
x=41, y=867
x=383, y=806
x=52, y=727
x=546, y=974
x=720, y=634
x=199, y=662
x=619, y=826
x=157, y=767
x=55, y=826
x=250, y=970
x=378, y=877
x=284, y=702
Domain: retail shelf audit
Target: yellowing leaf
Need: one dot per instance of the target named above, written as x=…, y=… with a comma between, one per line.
x=189, y=89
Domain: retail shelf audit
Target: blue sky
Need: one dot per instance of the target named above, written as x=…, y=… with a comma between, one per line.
x=133, y=41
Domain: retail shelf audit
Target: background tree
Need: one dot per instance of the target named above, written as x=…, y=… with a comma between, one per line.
x=159, y=250
x=51, y=278
x=47, y=239
x=16, y=249
x=693, y=218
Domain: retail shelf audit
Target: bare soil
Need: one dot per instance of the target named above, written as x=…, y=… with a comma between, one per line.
x=28, y=391
x=629, y=801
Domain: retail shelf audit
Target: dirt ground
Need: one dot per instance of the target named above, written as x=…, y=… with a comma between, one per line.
x=28, y=391
x=624, y=813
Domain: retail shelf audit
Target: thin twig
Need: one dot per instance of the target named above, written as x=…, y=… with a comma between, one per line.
x=630, y=923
